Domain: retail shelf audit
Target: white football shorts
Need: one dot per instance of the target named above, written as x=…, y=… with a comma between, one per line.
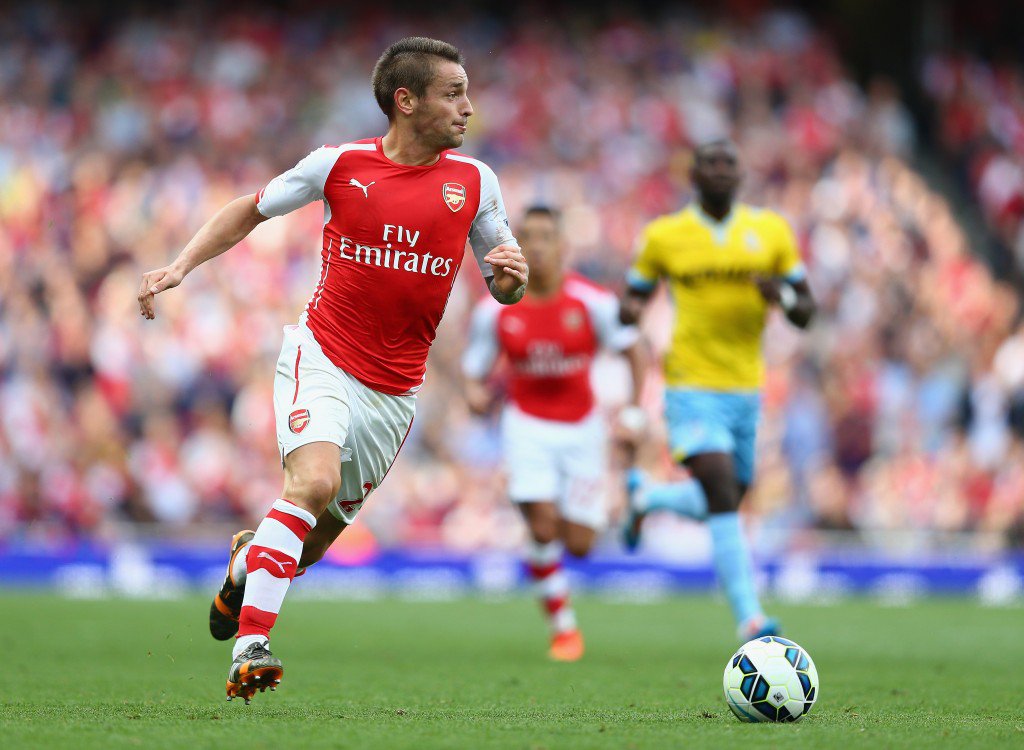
x=559, y=462
x=316, y=401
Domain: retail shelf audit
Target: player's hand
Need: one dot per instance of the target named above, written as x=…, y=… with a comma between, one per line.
x=769, y=289
x=154, y=282
x=510, y=268
x=479, y=398
x=630, y=426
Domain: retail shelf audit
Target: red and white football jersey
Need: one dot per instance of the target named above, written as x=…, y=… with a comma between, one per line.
x=550, y=345
x=394, y=238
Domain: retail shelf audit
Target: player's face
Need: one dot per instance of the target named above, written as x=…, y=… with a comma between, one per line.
x=542, y=245
x=716, y=171
x=442, y=113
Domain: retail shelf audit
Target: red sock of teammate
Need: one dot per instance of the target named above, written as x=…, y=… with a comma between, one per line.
x=544, y=563
x=271, y=562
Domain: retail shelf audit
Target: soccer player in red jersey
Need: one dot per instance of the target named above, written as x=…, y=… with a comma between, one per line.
x=553, y=436
x=398, y=210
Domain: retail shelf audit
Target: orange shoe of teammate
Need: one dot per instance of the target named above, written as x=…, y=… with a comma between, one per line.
x=567, y=646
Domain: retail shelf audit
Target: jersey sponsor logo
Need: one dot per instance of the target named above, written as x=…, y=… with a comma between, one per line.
x=365, y=188
x=298, y=420
x=716, y=275
x=391, y=257
x=454, y=195
x=547, y=359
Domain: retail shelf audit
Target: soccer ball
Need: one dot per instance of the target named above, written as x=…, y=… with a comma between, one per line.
x=770, y=679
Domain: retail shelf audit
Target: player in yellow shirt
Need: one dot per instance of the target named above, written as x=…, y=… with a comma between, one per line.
x=726, y=263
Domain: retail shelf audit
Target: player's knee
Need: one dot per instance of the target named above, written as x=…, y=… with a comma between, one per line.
x=543, y=530
x=722, y=498
x=313, y=491
x=579, y=547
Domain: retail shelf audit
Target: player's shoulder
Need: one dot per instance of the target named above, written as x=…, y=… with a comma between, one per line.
x=456, y=159
x=364, y=145
x=765, y=218
x=579, y=287
x=487, y=308
x=329, y=154
x=672, y=222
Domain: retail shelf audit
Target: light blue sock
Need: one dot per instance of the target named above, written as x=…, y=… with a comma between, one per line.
x=683, y=498
x=733, y=565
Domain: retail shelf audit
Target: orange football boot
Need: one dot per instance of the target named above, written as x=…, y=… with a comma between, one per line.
x=567, y=646
x=254, y=669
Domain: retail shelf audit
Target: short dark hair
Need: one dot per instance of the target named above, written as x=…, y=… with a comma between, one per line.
x=542, y=210
x=408, y=64
x=701, y=149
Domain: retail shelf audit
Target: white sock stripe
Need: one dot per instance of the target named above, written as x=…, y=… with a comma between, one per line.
x=273, y=534
x=264, y=591
x=242, y=642
x=554, y=586
x=543, y=554
x=294, y=510
x=238, y=567
x=564, y=619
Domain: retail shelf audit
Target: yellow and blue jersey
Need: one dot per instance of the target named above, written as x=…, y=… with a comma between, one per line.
x=710, y=268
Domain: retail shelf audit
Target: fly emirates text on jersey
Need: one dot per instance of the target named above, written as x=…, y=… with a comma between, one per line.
x=389, y=256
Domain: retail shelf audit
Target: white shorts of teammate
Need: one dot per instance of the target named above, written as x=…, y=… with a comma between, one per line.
x=316, y=401
x=559, y=462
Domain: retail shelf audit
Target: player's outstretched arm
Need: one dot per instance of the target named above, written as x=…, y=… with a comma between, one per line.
x=227, y=228
x=511, y=274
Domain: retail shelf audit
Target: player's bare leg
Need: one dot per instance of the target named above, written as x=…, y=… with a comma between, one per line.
x=312, y=479
x=320, y=539
x=550, y=535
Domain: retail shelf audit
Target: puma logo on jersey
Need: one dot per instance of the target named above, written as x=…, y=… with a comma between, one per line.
x=365, y=188
x=268, y=556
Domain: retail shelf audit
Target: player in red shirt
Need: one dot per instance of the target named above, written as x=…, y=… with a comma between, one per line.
x=553, y=437
x=397, y=214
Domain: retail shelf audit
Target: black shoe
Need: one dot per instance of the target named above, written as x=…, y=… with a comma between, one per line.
x=228, y=603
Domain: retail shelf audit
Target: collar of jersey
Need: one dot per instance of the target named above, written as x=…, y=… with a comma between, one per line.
x=719, y=229
x=380, y=150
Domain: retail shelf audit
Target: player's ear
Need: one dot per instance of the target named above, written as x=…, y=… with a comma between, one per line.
x=405, y=101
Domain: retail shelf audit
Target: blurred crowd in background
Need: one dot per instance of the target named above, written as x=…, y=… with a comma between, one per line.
x=979, y=108
x=902, y=409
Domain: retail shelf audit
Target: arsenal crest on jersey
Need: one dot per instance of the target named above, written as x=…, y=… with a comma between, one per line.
x=454, y=195
x=298, y=420
x=572, y=320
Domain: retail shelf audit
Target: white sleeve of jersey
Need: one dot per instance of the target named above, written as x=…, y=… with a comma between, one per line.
x=490, y=227
x=302, y=184
x=482, y=350
x=603, y=307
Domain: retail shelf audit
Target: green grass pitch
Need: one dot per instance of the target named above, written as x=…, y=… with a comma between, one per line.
x=473, y=674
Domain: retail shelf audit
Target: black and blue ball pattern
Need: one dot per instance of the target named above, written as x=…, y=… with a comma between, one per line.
x=770, y=679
